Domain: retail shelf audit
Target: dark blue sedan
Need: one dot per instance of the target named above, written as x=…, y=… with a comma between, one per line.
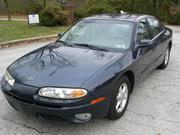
x=91, y=70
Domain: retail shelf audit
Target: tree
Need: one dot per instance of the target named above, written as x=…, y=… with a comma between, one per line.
x=163, y=8
x=8, y=10
x=155, y=7
x=159, y=8
x=175, y=2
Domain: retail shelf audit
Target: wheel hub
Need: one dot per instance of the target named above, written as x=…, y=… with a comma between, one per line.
x=166, y=58
x=122, y=97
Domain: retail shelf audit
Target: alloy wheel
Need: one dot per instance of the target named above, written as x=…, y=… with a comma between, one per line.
x=122, y=97
x=166, y=58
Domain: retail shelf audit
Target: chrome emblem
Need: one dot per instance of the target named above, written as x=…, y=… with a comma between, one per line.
x=30, y=78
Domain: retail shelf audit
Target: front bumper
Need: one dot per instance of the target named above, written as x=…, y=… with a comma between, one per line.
x=65, y=112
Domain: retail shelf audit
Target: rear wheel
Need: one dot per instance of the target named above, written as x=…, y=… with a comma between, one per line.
x=166, y=59
x=120, y=99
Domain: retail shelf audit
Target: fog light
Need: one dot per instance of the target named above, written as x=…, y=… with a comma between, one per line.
x=83, y=116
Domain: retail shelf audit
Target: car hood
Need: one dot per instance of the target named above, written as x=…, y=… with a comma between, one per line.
x=55, y=65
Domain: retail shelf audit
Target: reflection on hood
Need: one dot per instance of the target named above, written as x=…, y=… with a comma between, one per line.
x=54, y=64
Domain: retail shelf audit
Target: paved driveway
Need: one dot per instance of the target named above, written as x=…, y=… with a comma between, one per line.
x=154, y=107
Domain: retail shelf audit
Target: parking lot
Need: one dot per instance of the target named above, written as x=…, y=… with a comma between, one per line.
x=154, y=107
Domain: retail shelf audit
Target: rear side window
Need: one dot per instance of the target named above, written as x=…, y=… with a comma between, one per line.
x=155, y=26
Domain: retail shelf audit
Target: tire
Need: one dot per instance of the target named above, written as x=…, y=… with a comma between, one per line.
x=166, y=59
x=116, y=112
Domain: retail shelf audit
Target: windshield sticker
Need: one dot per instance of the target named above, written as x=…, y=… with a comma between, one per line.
x=121, y=46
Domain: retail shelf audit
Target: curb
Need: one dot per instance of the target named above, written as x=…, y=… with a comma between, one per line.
x=26, y=41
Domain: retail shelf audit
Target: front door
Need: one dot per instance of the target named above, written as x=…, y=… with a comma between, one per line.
x=145, y=56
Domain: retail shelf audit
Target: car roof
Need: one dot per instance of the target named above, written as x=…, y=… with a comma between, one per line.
x=122, y=17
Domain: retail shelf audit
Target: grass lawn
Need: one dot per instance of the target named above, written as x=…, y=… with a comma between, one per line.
x=12, y=30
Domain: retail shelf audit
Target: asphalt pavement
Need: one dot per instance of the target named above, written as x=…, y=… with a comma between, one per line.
x=14, y=18
x=154, y=107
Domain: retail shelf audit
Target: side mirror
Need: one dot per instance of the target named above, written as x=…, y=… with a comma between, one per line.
x=144, y=43
x=60, y=34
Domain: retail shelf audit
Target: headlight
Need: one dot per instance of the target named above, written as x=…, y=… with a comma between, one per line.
x=9, y=78
x=62, y=93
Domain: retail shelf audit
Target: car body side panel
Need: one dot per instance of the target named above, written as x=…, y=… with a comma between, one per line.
x=141, y=65
x=161, y=43
x=110, y=74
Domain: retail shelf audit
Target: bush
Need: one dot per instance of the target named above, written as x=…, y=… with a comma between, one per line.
x=80, y=13
x=174, y=19
x=52, y=16
x=98, y=10
x=34, y=8
x=93, y=8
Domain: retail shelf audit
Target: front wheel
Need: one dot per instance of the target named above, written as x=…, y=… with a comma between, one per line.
x=166, y=59
x=120, y=99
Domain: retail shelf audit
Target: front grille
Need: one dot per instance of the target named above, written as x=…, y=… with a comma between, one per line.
x=15, y=97
x=34, y=103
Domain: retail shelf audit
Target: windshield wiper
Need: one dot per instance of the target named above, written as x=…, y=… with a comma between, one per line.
x=64, y=43
x=92, y=47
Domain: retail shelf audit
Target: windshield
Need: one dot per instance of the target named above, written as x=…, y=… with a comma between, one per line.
x=101, y=33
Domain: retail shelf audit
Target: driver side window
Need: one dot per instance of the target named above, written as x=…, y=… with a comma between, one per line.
x=143, y=30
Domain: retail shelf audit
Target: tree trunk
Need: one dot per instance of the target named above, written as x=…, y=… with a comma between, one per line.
x=8, y=11
x=176, y=2
x=133, y=5
x=155, y=6
x=44, y=3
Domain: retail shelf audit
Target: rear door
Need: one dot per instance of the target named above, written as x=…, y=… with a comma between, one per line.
x=159, y=40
